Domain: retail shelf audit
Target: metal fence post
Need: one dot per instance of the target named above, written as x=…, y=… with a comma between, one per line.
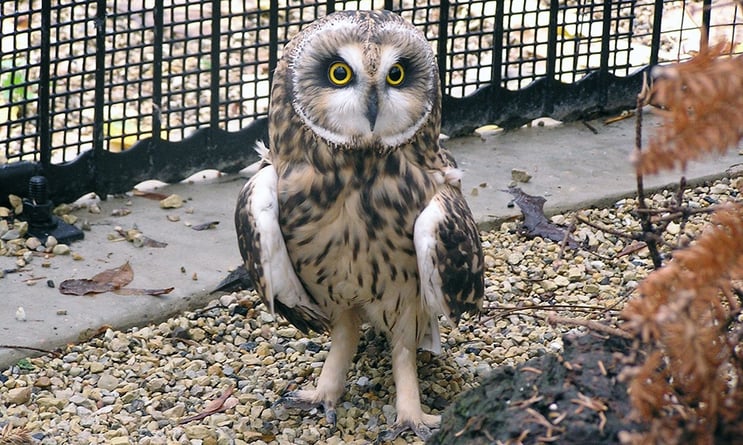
x=442, y=41
x=100, y=91
x=44, y=118
x=214, y=65
x=547, y=95
x=157, y=66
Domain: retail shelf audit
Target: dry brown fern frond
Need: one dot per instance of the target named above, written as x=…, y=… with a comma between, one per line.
x=700, y=101
x=14, y=436
x=688, y=313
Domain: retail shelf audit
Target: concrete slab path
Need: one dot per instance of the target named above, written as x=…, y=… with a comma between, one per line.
x=571, y=165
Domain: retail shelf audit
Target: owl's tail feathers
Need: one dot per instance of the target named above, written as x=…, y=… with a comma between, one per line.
x=265, y=159
x=431, y=340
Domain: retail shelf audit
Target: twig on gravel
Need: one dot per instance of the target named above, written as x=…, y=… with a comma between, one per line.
x=604, y=228
x=590, y=324
x=565, y=239
x=222, y=403
x=30, y=348
x=503, y=311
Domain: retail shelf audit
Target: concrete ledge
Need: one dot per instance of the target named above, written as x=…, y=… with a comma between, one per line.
x=571, y=166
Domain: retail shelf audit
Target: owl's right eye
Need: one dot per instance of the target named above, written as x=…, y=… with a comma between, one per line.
x=340, y=73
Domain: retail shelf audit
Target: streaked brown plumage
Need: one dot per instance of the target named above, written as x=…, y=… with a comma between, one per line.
x=356, y=213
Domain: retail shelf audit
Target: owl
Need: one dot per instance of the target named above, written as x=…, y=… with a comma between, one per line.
x=356, y=214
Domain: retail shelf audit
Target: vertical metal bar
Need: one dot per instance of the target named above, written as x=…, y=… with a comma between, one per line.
x=388, y=5
x=100, y=79
x=496, y=73
x=603, y=81
x=273, y=38
x=547, y=100
x=45, y=136
x=605, y=32
x=707, y=19
x=442, y=42
x=655, y=40
x=330, y=7
x=157, y=67
x=214, y=65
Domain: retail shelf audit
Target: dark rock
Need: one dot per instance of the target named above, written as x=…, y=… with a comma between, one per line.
x=573, y=398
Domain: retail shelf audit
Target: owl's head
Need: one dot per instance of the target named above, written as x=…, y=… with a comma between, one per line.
x=362, y=79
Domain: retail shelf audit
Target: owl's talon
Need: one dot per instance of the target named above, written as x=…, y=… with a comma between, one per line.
x=330, y=415
x=421, y=430
x=294, y=399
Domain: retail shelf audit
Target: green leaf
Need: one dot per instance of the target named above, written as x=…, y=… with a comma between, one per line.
x=25, y=364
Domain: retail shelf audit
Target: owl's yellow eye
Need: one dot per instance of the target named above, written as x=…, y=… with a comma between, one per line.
x=340, y=73
x=396, y=75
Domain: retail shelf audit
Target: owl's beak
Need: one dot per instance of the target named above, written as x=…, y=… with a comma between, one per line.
x=371, y=110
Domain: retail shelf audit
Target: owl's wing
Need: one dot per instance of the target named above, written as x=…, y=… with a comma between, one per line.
x=450, y=260
x=266, y=258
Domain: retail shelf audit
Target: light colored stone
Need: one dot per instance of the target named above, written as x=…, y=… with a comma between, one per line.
x=61, y=249
x=51, y=403
x=108, y=382
x=172, y=202
x=18, y=396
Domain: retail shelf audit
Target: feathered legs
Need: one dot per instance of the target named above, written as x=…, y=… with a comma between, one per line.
x=344, y=338
x=409, y=412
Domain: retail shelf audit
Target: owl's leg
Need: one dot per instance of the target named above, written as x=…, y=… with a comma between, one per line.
x=344, y=340
x=409, y=412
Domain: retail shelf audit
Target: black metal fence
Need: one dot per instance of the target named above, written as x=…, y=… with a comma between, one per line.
x=100, y=95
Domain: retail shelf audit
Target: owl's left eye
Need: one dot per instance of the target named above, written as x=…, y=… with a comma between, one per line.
x=340, y=73
x=396, y=75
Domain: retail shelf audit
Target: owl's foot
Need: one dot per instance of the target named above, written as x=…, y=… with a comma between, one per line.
x=423, y=428
x=331, y=383
x=307, y=400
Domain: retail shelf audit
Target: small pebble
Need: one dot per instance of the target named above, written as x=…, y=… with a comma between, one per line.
x=171, y=202
x=61, y=249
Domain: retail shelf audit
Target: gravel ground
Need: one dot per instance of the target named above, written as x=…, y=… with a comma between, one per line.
x=140, y=386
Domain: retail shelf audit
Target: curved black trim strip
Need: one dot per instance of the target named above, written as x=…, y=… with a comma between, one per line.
x=595, y=94
x=106, y=173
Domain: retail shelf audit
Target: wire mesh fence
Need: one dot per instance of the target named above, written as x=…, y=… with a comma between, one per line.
x=102, y=75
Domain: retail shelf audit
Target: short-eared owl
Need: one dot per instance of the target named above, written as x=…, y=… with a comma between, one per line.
x=356, y=214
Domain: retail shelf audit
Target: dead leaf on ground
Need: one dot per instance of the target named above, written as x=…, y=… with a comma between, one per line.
x=136, y=237
x=118, y=277
x=121, y=212
x=223, y=403
x=153, y=292
x=535, y=221
x=111, y=280
x=205, y=226
x=150, y=195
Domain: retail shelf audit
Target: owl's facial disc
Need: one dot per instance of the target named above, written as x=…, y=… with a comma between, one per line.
x=361, y=91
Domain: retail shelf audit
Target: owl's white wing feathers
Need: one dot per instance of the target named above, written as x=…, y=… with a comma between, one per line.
x=449, y=260
x=280, y=281
x=424, y=237
x=425, y=240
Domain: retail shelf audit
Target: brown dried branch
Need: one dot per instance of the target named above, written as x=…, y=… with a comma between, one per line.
x=15, y=436
x=648, y=229
x=700, y=102
x=688, y=313
x=590, y=324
